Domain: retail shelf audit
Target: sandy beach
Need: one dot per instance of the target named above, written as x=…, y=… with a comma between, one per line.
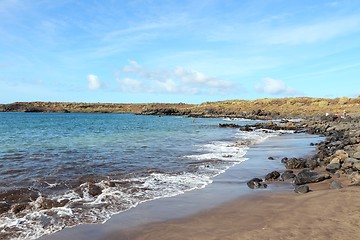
x=228, y=209
x=320, y=214
x=328, y=211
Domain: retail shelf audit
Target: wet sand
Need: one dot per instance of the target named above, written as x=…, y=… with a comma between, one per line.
x=222, y=210
x=320, y=214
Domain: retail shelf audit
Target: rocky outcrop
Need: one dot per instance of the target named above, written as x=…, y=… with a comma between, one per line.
x=270, y=126
x=164, y=112
x=229, y=125
x=338, y=154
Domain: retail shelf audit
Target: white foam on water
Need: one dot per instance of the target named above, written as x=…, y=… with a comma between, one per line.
x=213, y=159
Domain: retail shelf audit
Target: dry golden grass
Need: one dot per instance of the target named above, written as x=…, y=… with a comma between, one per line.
x=284, y=107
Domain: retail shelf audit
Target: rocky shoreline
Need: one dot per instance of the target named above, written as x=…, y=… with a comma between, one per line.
x=336, y=158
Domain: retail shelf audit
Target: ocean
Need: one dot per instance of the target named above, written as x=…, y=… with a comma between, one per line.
x=63, y=169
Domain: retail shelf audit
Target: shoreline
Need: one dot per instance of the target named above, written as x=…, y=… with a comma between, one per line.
x=328, y=210
x=265, y=215
x=226, y=187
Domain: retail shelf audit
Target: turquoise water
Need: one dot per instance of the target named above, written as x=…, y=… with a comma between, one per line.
x=59, y=170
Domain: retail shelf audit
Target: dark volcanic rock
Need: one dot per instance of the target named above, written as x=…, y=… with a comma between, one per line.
x=284, y=160
x=45, y=203
x=17, y=208
x=4, y=207
x=270, y=126
x=295, y=163
x=94, y=190
x=229, y=125
x=302, y=189
x=311, y=163
x=288, y=174
x=308, y=176
x=256, y=183
x=20, y=195
x=272, y=176
x=333, y=167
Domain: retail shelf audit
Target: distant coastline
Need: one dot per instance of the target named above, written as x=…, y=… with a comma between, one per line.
x=266, y=108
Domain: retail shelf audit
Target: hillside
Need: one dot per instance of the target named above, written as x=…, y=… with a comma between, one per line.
x=260, y=108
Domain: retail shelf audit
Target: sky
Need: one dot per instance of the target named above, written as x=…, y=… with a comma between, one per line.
x=140, y=51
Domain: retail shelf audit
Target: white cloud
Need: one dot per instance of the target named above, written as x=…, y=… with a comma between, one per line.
x=131, y=85
x=94, y=82
x=179, y=80
x=273, y=86
x=133, y=66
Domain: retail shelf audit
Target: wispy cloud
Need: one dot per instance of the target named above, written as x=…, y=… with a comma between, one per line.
x=195, y=77
x=8, y=6
x=178, y=80
x=316, y=32
x=273, y=86
x=131, y=85
x=94, y=82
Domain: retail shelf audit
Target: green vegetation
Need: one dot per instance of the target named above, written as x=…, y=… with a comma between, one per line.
x=260, y=108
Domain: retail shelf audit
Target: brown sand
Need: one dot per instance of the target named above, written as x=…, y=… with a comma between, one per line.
x=320, y=214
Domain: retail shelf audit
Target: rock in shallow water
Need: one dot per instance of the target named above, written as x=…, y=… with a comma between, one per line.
x=294, y=163
x=272, y=176
x=256, y=183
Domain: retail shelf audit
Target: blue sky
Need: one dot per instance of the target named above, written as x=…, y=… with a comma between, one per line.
x=178, y=51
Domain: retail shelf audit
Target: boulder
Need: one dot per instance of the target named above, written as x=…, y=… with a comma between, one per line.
x=256, y=183
x=347, y=165
x=311, y=163
x=284, y=160
x=308, y=176
x=302, y=189
x=335, y=185
x=341, y=154
x=333, y=167
x=351, y=160
x=354, y=177
x=338, y=157
x=335, y=160
x=288, y=174
x=357, y=147
x=356, y=166
x=356, y=155
x=272, y=176
x=295, y=163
